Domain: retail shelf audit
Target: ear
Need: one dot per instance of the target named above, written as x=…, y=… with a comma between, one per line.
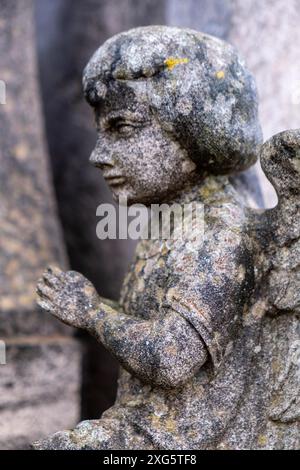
x=188, y=166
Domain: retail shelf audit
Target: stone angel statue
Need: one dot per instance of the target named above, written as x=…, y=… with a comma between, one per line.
x=207, y=334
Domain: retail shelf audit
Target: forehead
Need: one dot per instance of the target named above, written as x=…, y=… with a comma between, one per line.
x=121, y=97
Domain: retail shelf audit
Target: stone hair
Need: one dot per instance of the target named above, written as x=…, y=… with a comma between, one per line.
x=197, y=86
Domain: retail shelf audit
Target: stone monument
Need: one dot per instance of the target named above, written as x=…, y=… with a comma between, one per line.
x=206, y=332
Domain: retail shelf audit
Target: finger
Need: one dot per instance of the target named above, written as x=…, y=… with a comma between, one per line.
x=55, y=270
x=51, y=280
x=43, y=290
x=47, y=306
x=73, y=276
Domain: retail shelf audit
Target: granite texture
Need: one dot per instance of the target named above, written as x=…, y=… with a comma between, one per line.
x=206, y=332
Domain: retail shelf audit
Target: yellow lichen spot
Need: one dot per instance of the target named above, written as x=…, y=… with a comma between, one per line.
x=275, y=366
x=262, y=440
x=220, y=74
x=170, y=425
x=139, y=267
x=164, y=249
x=140, y=284
x=171, y=62
x=156, y=420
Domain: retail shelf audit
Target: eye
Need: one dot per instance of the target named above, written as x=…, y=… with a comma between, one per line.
x=123, y=127
x=120, y=125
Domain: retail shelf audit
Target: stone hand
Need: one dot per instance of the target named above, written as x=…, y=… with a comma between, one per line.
x=69, y=296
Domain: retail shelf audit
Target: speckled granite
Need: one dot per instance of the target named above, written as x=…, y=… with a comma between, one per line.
x=206, y=333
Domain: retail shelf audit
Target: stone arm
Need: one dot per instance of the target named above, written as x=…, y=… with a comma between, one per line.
x=195, y=323
x=165, y=352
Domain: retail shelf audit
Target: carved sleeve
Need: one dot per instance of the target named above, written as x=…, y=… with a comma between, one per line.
x=166, y=351
x=214, y=294
x=202, y=307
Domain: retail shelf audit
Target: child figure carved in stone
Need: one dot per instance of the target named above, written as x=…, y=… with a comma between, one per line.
x=176, y=114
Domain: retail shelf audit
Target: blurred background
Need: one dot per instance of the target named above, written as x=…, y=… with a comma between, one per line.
x=49, y=193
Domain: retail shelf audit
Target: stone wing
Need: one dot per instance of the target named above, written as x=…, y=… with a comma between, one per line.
x=280, y=158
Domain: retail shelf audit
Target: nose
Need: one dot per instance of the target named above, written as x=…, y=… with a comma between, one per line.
x=101, y=157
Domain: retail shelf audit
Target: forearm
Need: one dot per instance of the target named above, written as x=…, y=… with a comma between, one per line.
x=165, y=352
x=114, y=304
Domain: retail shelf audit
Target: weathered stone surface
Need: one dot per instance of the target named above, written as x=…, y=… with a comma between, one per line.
x=197, y=86
x=205, y=363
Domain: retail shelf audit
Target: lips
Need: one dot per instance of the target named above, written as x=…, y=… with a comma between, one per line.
x=115, y=180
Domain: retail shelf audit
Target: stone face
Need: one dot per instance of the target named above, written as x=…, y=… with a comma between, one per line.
x=195, y=83
x=206, y=330
x=30, y=239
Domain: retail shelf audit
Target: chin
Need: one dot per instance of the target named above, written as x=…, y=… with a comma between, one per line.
x=133, y=196
x=125, y=194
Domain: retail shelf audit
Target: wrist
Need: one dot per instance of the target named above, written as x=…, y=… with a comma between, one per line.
x=96, y=316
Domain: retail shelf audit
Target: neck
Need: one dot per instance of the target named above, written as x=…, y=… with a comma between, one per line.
x=201, y=189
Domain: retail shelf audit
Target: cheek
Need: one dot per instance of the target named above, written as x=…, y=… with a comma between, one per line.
x=146, y=170
x=142, y=160
x=153, y=162
x=155, y=172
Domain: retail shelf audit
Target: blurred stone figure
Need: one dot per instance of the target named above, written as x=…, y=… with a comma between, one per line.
x=198, y=325
x=42, y=359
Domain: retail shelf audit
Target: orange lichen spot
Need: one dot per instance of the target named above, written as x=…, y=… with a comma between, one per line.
x=171, y=62
x=220, y=74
